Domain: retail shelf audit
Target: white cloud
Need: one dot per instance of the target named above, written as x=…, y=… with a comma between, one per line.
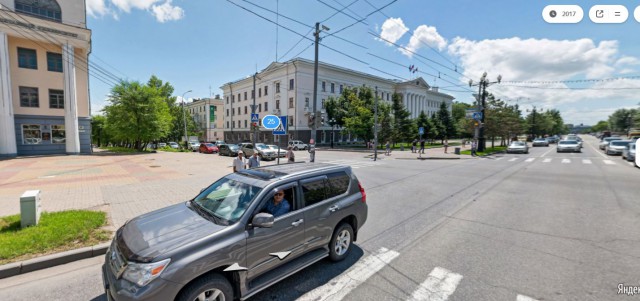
x=393, y=30
x=162, y=12
x=97, y=8
x=167, y=12
x=627, y=60
x=424, y=35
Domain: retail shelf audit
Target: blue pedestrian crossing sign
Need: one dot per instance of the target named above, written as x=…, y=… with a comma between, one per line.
x=421, y=131
x=477, y=116
x=270, y=122
x=254, y=117
x=282, y=129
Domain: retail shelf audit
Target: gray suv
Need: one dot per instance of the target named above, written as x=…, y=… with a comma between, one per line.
x=226, y=243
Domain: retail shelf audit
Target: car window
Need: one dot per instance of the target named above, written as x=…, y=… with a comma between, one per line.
x=338, y=184
x=289, y=196
x=227, y=199
x=314, y=191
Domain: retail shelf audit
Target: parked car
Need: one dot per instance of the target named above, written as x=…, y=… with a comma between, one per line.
x=569, y=146
x=231, y=150
x=540, y=142
x=161, y=144
x=194, y=145
x=282, y=153
x=297, y=144
x=606, y=140
x=629, y=152
x=265, y=152
x=174, y=145
x=218, y=142
x=207, y=148
x=225, y=243
x=616, y=147
x=518, y=147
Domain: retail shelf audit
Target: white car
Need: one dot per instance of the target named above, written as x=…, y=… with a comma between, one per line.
x=297, y=144
x=518, y=147
x=174, y=145
x=283, y=152
x=194, y=145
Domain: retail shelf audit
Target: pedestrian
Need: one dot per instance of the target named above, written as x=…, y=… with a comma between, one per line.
x=238, y=163
x=474, y=147
x=446, y=145
x=388, y=147
x=290, y=155
x=254, y=161
x=414, y=145
x=312, y=152
x=422, y=146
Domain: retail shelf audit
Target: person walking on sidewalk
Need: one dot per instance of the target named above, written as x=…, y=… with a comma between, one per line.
x=474, y=147
x=414, y=145
x=422, y=146
x=388, y=147
x=290, y=155
x=254, y=161
x=446, y=145
x=238, y=163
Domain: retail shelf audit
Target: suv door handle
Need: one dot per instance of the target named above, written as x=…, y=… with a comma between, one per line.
x=297, y=223
x=333, y=208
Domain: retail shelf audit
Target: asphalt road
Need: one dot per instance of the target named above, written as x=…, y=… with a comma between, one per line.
x=537, y=226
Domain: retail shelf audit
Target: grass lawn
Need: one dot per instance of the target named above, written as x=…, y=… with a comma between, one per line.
x=487, y=151
x=56, y=232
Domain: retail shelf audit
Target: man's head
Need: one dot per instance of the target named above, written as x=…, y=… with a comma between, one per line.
x=278, y=197
x=255, y=155
x=240, y=155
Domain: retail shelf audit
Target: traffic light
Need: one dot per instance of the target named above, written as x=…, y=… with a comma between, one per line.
x=322, y=121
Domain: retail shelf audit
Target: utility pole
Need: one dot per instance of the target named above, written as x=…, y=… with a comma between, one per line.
x=483, y=84
x=375, y=127
x=184, y=119
x=253, y=110
x=315, y=82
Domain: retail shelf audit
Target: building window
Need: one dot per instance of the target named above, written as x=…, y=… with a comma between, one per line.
x=266, y=90
x=306, y=102
x=227, y=99
x=291, y=84
x=27, y=58
x=277, y=87
x=245, y=95
x=239, y=98
x=227, y=124
x=323, y=103
x=333, y=88
x=227, y=112
x=253, y=94
x=239, y=124
x=259, y=107
x=31, y=134
x=58, y=135
x=266, y=107
x=341, y=88
x=324, y=86
x=245, y=109
x=277, y=104
x=239, y=112
x=56, y=99
x=387, y=96
x=29, y=97
x=48, y=9
x=289, y=120
x=245, y=123
x=54, y=62
x=290, y=102
x=259, y=92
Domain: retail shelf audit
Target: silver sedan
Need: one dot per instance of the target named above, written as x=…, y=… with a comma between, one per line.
x=518, y=147
x=569, y=146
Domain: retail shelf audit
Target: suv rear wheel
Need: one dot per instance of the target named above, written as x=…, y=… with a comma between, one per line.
x=341, y=241
x=212, y=287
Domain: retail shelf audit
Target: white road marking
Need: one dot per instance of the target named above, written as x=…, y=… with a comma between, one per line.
x=341, y=286
x=524, y=298
x=609, y=162
x=550, y=149
x=597, y=151
x=497, y=159
x=513, y=159
x=529, y=160
x=586, y=161
x=630, y=163
x=440, y=284
x=565, y=161
x=546, y=160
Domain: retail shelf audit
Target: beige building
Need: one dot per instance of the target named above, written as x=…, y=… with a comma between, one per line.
x=207, y=113
x=44, y=89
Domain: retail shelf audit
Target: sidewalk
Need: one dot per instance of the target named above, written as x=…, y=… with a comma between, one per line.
x=429, y=153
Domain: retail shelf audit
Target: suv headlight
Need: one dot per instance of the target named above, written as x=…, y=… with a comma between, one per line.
x=142, y=273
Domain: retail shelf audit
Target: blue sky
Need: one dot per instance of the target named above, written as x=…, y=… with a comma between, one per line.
x=199, y=44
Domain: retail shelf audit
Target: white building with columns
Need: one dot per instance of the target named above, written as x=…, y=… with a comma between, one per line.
x=44, y=83
x=286, y=89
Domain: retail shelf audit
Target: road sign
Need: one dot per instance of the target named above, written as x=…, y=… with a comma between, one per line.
x=254, y=117
x=421, y=131
x=282, y=128
x=270, y=122
x=477, y=116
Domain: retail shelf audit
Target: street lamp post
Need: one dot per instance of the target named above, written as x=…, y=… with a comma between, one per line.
x=315, y=79
x=483, y=84
x=184, y=118
x=333, y=133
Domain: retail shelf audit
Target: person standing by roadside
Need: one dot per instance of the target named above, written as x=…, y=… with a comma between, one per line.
x=414, y=145
x=422, y=145
x=290, y=155
x=312, y=151
x=238, y=163
x=254, y=161
x=446, y=145
x=474, y=147
x=388, y=147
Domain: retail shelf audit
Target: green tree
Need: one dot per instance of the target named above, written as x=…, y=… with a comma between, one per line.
x=359, y=117
x=403, y=127
x=99, y=133
x=424, y=122
x=437, y=129
x=622, y=119
x=464, y=125
x=601, y=126
x=444, y=117
x=137, y=114
x=385, y=119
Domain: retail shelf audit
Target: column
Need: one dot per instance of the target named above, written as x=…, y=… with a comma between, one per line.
x=70, y=101
x=8, y=147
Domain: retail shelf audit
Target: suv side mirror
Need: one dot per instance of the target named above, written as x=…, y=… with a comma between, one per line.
x=262, y=220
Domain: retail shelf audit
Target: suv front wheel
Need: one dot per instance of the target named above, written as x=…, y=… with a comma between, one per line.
x=341, y=241
x=212, y=287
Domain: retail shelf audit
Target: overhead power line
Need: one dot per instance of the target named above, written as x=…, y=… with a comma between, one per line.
x=573, y=81
x=340, y=11
x=362, y=19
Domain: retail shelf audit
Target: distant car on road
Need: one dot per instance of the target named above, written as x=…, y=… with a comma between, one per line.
x=629, y=152
x=540, y=142
x=207, y=148
x=569, y=146
x=297, y=144
x=518, y=147
x=616, y=147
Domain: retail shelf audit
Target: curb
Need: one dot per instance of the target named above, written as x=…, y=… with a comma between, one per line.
x=430, y=158
x=47, y=261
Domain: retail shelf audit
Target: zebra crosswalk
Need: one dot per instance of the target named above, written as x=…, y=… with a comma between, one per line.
x=355, y=164
x=591, y=161
x=438, y=285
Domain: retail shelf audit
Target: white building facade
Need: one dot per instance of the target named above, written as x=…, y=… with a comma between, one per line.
x=44, y=83
x=207, y=114
x=286, y=89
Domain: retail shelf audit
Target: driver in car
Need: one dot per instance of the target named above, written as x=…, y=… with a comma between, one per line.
x=278, y=206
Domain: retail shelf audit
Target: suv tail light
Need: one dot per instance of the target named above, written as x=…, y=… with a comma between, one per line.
x=364, y=194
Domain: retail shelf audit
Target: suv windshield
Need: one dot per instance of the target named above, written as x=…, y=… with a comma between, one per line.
x=226, y=199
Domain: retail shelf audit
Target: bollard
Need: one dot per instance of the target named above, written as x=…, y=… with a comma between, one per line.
x=30, y=208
